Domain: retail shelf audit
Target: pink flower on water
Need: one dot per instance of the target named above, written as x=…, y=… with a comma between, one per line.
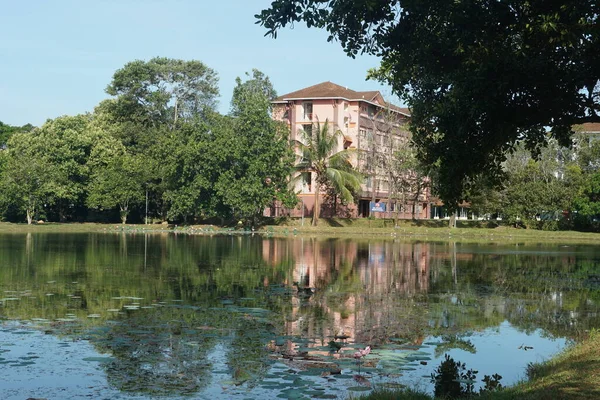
x=361, y=353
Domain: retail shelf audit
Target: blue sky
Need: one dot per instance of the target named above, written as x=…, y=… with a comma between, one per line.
x=57, y=57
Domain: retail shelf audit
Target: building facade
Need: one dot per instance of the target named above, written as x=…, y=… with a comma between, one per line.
x=373, y=130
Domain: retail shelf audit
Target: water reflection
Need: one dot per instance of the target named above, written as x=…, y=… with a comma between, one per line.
x=162, y=304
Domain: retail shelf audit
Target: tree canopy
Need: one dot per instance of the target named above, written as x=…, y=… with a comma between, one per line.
x=162, y=90
x=478, y=75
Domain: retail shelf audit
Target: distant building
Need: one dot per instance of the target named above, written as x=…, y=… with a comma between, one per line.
x=590, y=129
x=372, y=126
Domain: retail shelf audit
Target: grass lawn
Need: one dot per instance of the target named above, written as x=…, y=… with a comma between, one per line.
x=466, y=231
x=479, y=231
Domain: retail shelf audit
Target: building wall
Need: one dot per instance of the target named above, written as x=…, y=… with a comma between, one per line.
x=354, y=119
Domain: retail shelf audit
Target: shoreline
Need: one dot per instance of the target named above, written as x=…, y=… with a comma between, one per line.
x=408, y=230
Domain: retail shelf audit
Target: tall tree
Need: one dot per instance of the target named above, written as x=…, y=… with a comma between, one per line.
x=587, y=203
x=532, y=188
x=66, y=143
x=191, y=160
x=25, y=177
x=163, y=90
x=320, y=155
x=256, y=158
x=477, y=75
x=116, y=179
x=153, y=100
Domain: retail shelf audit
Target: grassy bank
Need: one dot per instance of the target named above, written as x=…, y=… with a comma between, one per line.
x=480, y=231
x=467, y=231
x=574, y=374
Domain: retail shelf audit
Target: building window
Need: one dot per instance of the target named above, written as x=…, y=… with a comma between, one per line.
x=308, y=111
x=307, y=180
x=307, y=129
x=345, y=106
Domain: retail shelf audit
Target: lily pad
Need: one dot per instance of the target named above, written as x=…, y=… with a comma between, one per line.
x=359, y=389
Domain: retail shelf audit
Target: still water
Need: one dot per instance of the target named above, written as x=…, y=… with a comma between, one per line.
x=139, y=316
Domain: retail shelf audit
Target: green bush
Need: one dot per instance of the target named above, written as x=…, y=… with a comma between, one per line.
x=453, y=380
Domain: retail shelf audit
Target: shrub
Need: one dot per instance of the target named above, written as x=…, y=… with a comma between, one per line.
x=453, y=380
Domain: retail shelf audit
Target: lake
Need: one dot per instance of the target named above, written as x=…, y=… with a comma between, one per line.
x=136, y=316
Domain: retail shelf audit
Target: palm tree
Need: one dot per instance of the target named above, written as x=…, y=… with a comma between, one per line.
x=333, y=169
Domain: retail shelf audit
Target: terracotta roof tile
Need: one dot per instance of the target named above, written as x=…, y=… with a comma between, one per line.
x=331, y=90
x=590, y=127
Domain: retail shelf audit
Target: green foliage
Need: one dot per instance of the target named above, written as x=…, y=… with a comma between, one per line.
x=253, y=155
x=586, y=205
x=189, y=169
x=534, y=193
x=6, y=131
x=453, y=380
x=162, y=90
x=66, y=143
x=476, y=75
x=116, y=178
x=319, y=155
x=26, y=176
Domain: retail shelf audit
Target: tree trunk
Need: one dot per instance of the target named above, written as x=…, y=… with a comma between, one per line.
x=452, y=222
x=124, y=212
x=316, y=207
x=29, y=217
x=389, y=199
x=416, y=201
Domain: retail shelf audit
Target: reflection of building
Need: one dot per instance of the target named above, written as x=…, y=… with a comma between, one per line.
x=369, y=125
x=360, y=286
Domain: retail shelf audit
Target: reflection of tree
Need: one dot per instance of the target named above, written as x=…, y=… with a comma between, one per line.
x=530, y=286
x=450, y=342
x=168, y=350
x=157, y=352
x=247, y=355
x=372, y=289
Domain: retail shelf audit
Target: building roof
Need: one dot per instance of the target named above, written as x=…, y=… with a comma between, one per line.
x=329, y=90
x=591, y=127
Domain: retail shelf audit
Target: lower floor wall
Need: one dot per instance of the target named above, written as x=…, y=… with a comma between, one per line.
x=363, y=209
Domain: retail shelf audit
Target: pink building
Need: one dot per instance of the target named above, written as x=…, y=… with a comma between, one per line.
x=369, y=125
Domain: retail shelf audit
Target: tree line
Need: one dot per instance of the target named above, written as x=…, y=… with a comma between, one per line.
x=478, y=76
x=558, y=190
x=157, y=148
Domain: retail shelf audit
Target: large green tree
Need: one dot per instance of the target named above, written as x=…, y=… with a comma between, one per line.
x=320, y=154
x=153, y=102
x=66, y=143
x=531, y=189
x=116, y=178
x=255, y=158
x=24, y=184
x=477, y=75
x=587, y=203
x=162, y=91
x=191, y=160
